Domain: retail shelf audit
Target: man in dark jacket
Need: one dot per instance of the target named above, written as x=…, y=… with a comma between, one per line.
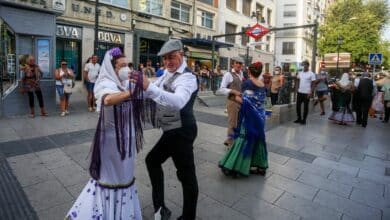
x=364, y=98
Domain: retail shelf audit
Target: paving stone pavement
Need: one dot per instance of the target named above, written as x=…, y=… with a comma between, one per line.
x=317, y=171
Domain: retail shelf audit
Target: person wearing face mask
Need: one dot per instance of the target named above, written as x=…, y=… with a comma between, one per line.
x=111, y=192
x=276, y=83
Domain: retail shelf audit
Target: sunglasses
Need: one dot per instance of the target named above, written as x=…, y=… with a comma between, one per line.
x=64, y=64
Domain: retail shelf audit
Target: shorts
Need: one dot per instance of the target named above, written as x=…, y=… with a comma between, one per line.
x=60, y=91
x=89, y=86
x=321, y=93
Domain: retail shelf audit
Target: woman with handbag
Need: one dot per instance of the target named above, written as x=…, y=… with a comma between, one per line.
x=30, y=84
x=64, y=84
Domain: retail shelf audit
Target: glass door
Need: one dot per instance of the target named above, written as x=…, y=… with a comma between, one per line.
x=69, y=50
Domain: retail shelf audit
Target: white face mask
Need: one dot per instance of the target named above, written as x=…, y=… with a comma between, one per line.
x=277, y=72
x=123, y=73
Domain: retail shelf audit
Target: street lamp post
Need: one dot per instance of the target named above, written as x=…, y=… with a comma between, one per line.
x=96, y=27
x=339, y=42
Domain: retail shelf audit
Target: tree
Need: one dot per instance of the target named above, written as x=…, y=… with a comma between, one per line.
x=360, y=23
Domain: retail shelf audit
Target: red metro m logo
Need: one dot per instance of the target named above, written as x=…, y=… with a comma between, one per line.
x=257, y=31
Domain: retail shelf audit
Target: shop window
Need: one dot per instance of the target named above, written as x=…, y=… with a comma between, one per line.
x=153, y=7
x=120, y=3
x=288, y=48
x=205, y=19
x=269, y=15
x=180, y=12
x=230, y=29
x=259, y=8
x=7, y=59
x=224, y=62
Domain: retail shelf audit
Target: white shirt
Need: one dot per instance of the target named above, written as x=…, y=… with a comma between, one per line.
x=93, y=71
x=305, y=80
x=184, y=85
x=226, y=80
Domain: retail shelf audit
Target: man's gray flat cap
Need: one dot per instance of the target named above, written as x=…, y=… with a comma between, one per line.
x=238, y=59
x=170, y=46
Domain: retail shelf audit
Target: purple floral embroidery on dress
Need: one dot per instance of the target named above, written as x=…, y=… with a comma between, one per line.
x=74, y=214
x=107, y=197
x=88, y=190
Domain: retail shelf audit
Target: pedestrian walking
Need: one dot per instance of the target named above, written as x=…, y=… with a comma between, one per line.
x=64, y=84
x=111, y=192
x=174, y=94
x=343, y=95
x=231, y=87
x=322, y=89
x=149, y=70
x=249, y=152
x=91, y=73
x=365, y=94
x=386, y=98
x=31, y=84
x=306, y=80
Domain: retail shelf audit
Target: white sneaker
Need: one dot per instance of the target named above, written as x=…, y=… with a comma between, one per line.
x=90, y=109
x=67, y=112
x=62, y=114
x=157, y=215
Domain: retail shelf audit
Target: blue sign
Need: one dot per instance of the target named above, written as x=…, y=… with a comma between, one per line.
x=375, y=59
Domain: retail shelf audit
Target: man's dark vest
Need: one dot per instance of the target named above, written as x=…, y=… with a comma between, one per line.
x=169, y=118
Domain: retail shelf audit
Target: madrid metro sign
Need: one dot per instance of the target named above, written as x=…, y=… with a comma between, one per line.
x=257, y=31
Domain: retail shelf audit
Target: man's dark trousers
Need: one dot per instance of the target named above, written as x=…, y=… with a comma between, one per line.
x=179, y=146
x=302, y=98
x=362, y=111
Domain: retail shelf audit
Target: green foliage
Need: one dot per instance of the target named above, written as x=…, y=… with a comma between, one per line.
x=360, y=24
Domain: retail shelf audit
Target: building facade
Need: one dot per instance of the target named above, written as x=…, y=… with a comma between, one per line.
x=238, y=15
x=75, y=31
x=295, y=45
x=27, y=28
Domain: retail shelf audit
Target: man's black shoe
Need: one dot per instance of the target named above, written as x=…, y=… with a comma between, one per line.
x=298, y=121
x=303, y=122
x=363, y=125
x=385, y=121
x=358, y=123
x=164, y=212
x=180, y=218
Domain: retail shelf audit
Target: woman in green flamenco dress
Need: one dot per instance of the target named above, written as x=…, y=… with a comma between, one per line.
x=248, y=153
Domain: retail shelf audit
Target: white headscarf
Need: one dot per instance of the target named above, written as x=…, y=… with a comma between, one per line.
x=344, y=81
x=108, y=81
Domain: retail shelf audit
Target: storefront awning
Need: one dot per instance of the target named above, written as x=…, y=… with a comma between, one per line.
x=204, y=43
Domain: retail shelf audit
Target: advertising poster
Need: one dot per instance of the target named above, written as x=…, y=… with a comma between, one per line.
x=44, y=57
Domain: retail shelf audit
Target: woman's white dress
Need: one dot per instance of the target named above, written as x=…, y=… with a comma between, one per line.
x=111, y=197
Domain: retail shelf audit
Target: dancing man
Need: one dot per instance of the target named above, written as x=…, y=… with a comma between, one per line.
x=174, y=94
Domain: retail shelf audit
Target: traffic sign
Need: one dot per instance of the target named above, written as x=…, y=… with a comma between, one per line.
x=375, y=59
x=257, y=31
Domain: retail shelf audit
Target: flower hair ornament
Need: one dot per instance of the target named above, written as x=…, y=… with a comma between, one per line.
x=258, y=65
x=115, y=52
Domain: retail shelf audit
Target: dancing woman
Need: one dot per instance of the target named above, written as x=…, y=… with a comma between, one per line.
x=111, y=193
x=249, y=152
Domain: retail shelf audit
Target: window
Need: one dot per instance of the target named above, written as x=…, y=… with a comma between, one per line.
x=231, y=4
x=259, y=8
x=120, y=3
x=207, y=19
x=289, y=13
x=209, y=2
x=230, y=28
x=288, y=48
x=246, y=7
x=223, y=61
x=180, y=12
x=259, y=47
x=151, y=6
x=7, y=59
x=269, y=12
x=244, y=37
x=267, y=47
